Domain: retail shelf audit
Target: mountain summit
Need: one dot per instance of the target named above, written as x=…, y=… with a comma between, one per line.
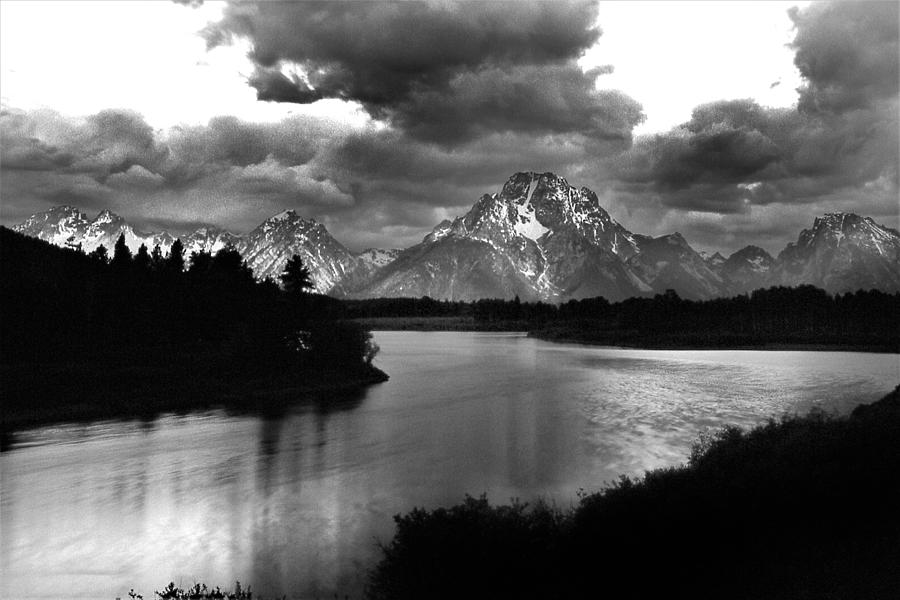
x=541, y=239
x=842, y=252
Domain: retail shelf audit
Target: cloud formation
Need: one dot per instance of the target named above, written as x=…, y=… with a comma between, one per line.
x=848, y=54
x=469, y=95
x=371, y=186
x=840, y=140
x=446, y=72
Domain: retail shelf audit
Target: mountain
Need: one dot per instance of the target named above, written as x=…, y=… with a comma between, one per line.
x=377, y=258
x=669, y=262
x=842, y=252
x=713, y=260
x=208, y=239
x=542, y=239
x=268, y=248
x=747, y=269
x=67, y=226
x=538, y=238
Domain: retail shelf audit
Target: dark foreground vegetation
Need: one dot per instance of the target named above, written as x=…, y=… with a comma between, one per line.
x=803, y=317
x=87, y=336
x=801, y=508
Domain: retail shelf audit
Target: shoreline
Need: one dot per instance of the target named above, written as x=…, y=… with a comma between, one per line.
x=146, y=392
x=769, y=346
x=459, y=325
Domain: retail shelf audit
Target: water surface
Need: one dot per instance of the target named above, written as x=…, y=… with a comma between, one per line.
x=293, y=502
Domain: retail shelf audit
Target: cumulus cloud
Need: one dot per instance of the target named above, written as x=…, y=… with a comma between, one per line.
x=113, y=159
x=840, y=141
x=848, y=54
x=463, y=96
x=445, y=72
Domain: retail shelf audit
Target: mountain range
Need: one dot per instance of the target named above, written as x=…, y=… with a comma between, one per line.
x=538, y=238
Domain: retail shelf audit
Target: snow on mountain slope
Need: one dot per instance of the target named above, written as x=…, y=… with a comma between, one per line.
x=548, y=240
x=539, y=238
x=842, y=252
x=268, y=248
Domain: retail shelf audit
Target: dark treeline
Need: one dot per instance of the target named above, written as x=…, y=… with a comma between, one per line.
x=777, y=315
x=405, y=307
x=804, y=507
x=193, y=317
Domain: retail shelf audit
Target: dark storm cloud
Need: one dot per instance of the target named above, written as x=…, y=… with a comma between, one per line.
x=525, y=99
x=111, y=141
x=848, y=54
x=464, y=96
x=445, y=72
x=373, y=186
x=842, y=137
x=115, y=160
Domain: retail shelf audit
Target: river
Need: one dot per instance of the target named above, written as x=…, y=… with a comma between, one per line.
x=293, y=502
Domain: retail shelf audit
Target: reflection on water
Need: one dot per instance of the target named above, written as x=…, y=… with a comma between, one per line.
x=294, y=501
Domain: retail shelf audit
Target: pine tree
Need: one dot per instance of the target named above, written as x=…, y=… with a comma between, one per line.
x=142, y=259
x=296, y=278
x=100, y=253
x=156, y=258
x=121, y=253
x=175, y=259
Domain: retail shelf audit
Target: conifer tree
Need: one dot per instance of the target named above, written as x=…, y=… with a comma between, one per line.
x=175, y=259
x=156, y=258
x=142, y=258
x=100, y=253
x=296, y=278
x=121, y=253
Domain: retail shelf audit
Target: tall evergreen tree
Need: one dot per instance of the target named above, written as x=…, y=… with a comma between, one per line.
x=175, y=259
x=121, y=253
x=100, y=253
x=142, y=259
x=200, y=262
x=156, y=258
x=296, y=278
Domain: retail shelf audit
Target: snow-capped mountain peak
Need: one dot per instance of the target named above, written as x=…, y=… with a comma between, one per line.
x=842, y=252
x=538, y=238
x=377, y=257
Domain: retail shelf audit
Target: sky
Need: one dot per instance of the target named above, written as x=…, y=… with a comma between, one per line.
x=730, y=122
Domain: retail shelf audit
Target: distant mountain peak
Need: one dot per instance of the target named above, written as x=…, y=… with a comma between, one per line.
x=106, y=216
x=714, y=259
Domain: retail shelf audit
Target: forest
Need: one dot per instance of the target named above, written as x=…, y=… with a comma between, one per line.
x=90, y=329
x=778, y=316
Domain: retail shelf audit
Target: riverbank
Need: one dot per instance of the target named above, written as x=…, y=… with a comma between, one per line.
x=592, y=336
x=709, y=342
x=804, y=507
x=43, y=394
x=438, y=324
